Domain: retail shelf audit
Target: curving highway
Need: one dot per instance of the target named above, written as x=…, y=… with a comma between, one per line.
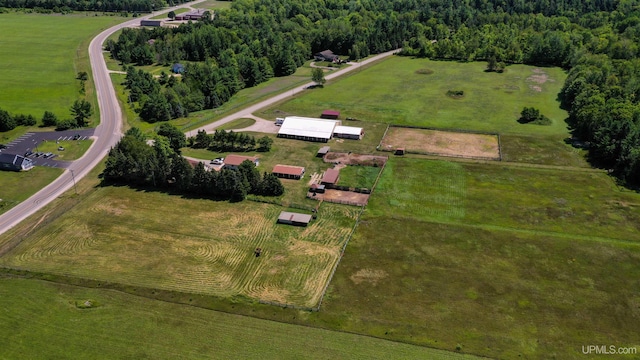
x=109, y=132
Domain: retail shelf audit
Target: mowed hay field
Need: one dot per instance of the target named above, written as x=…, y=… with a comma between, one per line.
x=156, y=240
x=504, y=262
x=40, y=320
x=42, y=67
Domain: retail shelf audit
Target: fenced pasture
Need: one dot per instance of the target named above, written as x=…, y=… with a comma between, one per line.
x=496, y=293
x=442, y=143
x=577, y=204
x=141, y=238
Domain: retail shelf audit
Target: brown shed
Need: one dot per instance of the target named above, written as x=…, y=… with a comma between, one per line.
x=288, y=171
x=330, y=177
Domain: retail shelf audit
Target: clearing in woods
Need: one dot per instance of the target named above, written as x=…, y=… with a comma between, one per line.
x=113, y=235
x=446, y=143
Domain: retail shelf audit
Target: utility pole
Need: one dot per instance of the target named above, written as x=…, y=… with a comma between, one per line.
x=74, y=181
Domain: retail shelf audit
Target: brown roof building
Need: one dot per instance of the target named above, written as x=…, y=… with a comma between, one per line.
x=288, y=171
x=330, y=177
x=232, y=161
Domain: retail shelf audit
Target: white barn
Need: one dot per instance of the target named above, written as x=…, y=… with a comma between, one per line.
x=348, y=132
x=310, y=129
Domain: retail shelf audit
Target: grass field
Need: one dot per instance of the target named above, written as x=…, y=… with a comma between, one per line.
x=111, y=236
x=16, y=187
x=46, y=74
x=583, y=204
x=505, y=262
x=36, y=318
x=237, y=124
x=358, y=176
x=492, y=101
x=72, y=149
x=495, y=293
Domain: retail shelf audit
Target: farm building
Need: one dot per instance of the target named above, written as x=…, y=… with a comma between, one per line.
x=150, y=22
x=14, y=162
x=330, y=177
x=326, y=55
x=348, y=132
x=232, y=161
x=330, y=114
x=317, y=188
x=288, y=171
x=195, y=15
x=323, y=151
x=310, y=129
x=295, y=219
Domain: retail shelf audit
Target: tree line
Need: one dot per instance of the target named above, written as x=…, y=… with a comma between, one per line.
x=81, y=111
x=223, y=141
x=134, y=162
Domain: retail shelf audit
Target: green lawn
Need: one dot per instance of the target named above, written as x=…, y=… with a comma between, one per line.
x=72, y=149
x=237, y=124
x=43, y=320
x=19, y=186
x=358, y=176
x=43, y=65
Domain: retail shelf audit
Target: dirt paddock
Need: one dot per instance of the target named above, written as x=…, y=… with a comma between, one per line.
x=355, y=159
x=342, y=197
x=446, y=143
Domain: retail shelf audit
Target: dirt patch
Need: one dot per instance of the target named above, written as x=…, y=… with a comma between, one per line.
x=539, y=77
x=368, y=275
x=342, y=197
x=444, y=143
x=355, y=159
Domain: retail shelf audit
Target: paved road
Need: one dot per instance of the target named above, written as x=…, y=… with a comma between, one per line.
x=106, y=134
x=247, y=112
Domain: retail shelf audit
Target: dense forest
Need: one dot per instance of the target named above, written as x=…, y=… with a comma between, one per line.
x=134, y=162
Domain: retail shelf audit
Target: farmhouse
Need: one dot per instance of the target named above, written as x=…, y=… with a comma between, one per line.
x=13, y=162
x=310, y=129
x=295, y=219
x=288, y=172
x=330, y=114
x=232, y=161
x=326, y=55
x=323, y=151
x=348, y=132
x=330, y=177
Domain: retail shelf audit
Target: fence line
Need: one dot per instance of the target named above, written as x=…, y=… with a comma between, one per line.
x=444, y=129
x=355, y=226
x=418, y=152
